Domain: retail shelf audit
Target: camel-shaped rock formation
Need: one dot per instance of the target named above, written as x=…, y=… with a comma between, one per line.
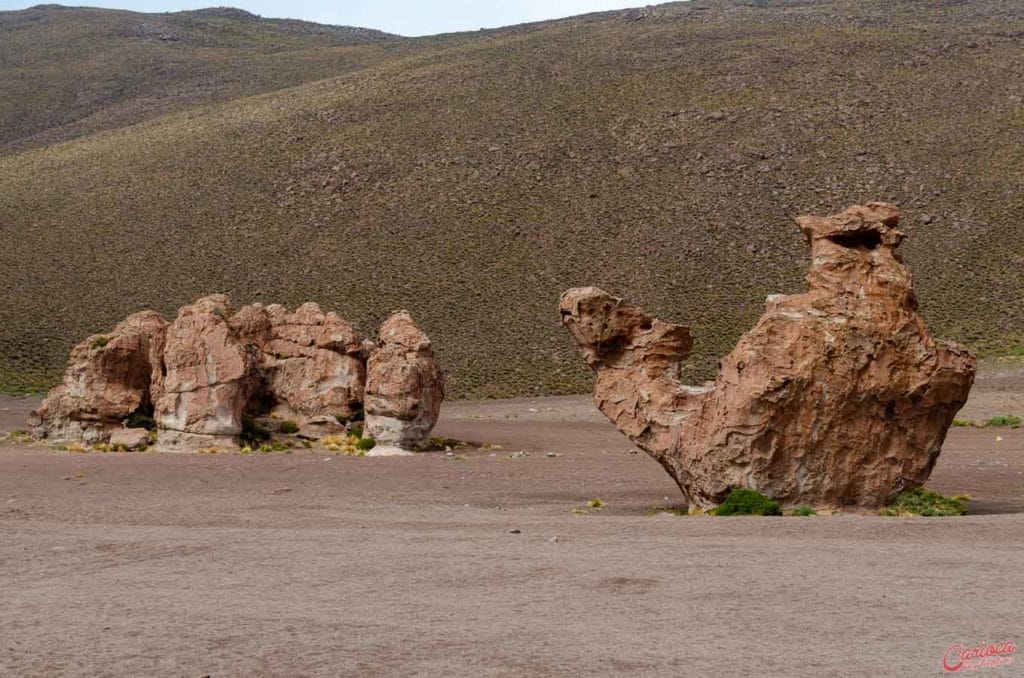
x=838, y=398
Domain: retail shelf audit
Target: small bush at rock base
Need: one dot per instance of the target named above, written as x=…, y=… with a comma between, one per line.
x=366, y=444
x=744, y=502
x=803, y=511
x=1005, y=420
x=289, y=427
x=443, y=443
x=922, y=502
x=253, y=433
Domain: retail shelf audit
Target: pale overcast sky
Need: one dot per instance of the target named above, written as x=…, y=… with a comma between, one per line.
x=405, y=17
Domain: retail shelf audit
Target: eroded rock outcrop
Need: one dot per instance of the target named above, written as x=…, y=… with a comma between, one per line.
x=837, y=398
x=209, y=371
x=109, y=377
x=314, y=363
x=203, y=373
x=404, y=387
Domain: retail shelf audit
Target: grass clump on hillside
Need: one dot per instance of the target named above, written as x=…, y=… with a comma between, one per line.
x=1010, y=420
x=744, y=502
x=289, y=427
x=922, y=502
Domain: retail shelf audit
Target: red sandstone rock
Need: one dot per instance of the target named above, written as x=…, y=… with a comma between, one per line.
x=404, y=387
x=321, y=426
x=108, y=378
x=210, y=371
x=313, y=363
x=199, y=375
x=130, y=438
x=837, y=398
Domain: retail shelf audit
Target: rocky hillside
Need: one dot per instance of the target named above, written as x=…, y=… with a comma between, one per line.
x=66, y=72
x=660, y=153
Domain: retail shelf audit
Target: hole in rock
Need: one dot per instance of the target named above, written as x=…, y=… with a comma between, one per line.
x=859, y=240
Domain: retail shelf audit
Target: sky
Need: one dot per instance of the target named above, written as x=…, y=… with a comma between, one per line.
x=404, y=17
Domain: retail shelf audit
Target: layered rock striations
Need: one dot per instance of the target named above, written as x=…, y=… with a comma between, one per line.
x=838, y=398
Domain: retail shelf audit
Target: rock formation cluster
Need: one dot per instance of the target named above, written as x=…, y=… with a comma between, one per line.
x=200, y=375
x=838, y=398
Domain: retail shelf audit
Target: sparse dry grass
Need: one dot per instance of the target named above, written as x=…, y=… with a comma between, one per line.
x=472, y=178
x=66, y=72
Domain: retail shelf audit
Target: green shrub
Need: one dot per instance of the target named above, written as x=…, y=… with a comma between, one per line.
x=365, y=444
x=356, y=431
x=342, y=419
x=744, y=502
x=289, y=427
x=99, y=342
x=803, y=511
x=963, y=422
x=922, y=502
x=1010, y=420
x=253, y=433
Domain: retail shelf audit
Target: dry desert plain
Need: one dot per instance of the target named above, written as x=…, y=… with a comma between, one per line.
x=309, y=564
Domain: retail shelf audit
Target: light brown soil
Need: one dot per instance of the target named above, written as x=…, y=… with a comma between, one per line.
x=307, y=564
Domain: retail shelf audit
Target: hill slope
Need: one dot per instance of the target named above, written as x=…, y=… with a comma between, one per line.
x=661, y=153
x=65, y=72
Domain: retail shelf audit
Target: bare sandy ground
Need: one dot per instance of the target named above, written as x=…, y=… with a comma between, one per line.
x=475, y=565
